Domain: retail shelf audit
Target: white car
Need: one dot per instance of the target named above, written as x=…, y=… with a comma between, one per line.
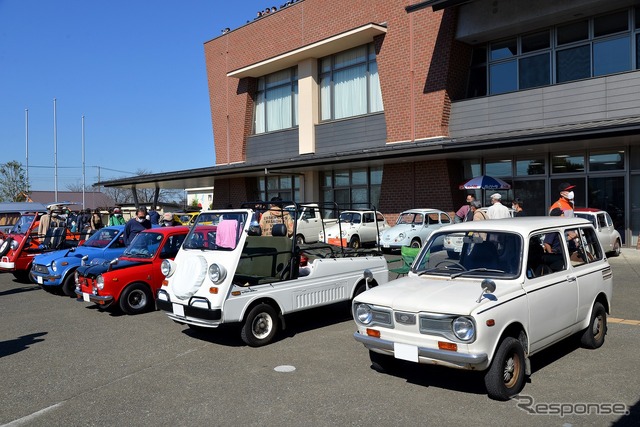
x=607, y=234
x=413, y=228
x=355, y=229
x=503, y=301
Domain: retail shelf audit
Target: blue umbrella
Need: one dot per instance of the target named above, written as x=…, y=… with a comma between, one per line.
x=485, y=182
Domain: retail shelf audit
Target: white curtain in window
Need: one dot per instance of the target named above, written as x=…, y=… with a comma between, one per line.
x=258, y=125
x=279, y=108
x=325, y=97
x=295, y=104
x=350, y=91
x=375, y=95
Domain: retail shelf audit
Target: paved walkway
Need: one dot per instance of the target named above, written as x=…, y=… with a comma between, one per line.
x=627, y=264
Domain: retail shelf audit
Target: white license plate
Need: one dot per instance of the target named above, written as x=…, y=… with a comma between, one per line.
x=386, y=245
x=85, y=297
x=40, y=280
x=405, y=352
x=178, y=309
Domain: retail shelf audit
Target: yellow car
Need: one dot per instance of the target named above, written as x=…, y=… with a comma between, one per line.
x=186, y=218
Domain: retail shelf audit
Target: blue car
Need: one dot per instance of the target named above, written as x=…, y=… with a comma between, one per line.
x=55, y=271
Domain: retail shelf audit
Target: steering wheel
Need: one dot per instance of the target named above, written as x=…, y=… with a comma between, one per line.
x=447, y=261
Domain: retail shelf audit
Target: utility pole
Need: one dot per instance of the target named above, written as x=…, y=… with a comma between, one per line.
x=83, y=174
x=55, y=152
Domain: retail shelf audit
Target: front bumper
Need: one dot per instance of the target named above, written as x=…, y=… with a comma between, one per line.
x=199, y=316
x=103, y=300
x=428, y=355
x=45, y=280
x=5, y=264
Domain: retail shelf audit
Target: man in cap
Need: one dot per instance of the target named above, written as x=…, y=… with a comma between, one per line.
x=497, y=210
x=168, y=221
x=565, y=202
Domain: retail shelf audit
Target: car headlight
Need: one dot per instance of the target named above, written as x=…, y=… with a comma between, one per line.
x=401, y=236
x=463, y=328
x=166, y=268
x=363, y=314
x=100, y=282
x=343, y=233
x=14, y=245
x=217, y=273
x=54, y=266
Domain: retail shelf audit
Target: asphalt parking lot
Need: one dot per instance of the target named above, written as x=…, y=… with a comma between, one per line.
x=63, y=362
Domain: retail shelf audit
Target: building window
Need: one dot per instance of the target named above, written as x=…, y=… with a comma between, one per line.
x=606, y=161
x=287, y=187
x=276, y=104
x=593, y=47
x=352, y=188
x=349, y=84
x=566, y=163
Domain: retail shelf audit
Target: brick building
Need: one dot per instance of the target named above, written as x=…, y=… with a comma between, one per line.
x=396, y=103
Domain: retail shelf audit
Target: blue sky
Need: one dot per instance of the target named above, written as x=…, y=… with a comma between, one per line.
x=135, y=69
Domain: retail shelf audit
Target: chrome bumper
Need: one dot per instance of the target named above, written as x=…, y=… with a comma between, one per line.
x=98, y=299
x=429, y=353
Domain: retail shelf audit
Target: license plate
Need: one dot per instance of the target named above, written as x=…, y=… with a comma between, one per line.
x=405, y=352
x=178, y=309
x=386, y=245
x=85, y=297
x=40, y=280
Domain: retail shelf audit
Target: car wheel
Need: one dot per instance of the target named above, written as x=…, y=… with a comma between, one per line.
x=69, y=285
x=299, y=239
x=415, y=243
x=355, y=242
x=22, y=276
x=382, y=362
x=505, y=376
x=6, y=245
x=260, y=325
x=616, y=248
x=593, y=336
x=136, y=298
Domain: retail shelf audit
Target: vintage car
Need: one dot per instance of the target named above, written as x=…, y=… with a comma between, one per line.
x=186, y=218
x=228, y=272
x=130, y=281
x=413, y=228
x=11, y=212
x=607, y=234
x=500, y=303
x=55, y=271
x=355, y=229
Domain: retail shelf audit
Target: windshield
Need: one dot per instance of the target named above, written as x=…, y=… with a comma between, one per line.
x=472, y=254
x=350, y=217
x=101, y=238
x=144, y=245
x=410, y=218
x=23, y=224
x=588, y=217
x=216, y=231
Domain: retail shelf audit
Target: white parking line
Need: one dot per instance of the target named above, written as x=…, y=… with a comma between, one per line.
x=29, y=418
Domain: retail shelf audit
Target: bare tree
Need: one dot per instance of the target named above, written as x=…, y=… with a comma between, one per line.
x=13, y=182
x=77, y=187
x=119, y=196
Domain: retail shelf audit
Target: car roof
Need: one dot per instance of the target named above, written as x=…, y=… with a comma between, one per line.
x=588, y=210
x=166, y=230
x=425, y=210
x=522, y=225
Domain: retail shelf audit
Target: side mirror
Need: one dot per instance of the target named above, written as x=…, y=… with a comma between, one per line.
x=112, y=263
x=368, y=277
x=488, y=287
x=84, y=259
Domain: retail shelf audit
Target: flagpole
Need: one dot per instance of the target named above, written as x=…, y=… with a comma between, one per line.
x=83, y=174
x=55, y=152
x=26, y=132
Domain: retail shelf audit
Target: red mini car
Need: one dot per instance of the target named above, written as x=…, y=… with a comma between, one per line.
x=131, y=281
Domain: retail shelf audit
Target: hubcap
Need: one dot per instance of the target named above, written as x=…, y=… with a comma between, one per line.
x=262, y=325
x=511, y=371
x=597, y=327
x=137, y=299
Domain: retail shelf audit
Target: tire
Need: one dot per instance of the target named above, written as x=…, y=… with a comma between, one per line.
x=616, y=248
x=260, y=326
x=69, y=285
x=415, y=243
x=354, y=243
x=382, y=362
x=593, y=336
x=299, y=240
x=5, y=247
x=505, y=377
x=23, y=276
x=136, y=298
x=359, y=289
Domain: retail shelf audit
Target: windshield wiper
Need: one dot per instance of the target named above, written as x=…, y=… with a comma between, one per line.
x=483, y=269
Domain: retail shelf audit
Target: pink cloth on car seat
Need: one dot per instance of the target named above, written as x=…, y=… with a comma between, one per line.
x=226, y=233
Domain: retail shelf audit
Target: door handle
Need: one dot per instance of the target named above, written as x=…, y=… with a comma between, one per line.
x=571, y=278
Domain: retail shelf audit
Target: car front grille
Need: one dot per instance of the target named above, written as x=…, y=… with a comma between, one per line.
x=39, y=268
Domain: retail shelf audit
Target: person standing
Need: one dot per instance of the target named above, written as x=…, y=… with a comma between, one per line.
x=154, y=216
x=497, y=210
x=477, y=214
x=517, y=206
x=565, y=202
x=135, y=225
x=464, y=213
x=276, y=215
x=96, y=220
x=116, y=218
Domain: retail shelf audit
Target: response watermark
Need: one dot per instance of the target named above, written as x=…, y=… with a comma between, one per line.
x=528, y=404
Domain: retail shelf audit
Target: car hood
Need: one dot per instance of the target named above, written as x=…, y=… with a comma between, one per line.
x=401, y=228
x=93, y=271
x=426, y=294
x=79, y=252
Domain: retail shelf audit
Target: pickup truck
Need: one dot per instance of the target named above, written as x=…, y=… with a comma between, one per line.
x=227, y=272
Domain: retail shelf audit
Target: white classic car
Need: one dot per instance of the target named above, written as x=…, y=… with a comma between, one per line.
x=413, y=228
x=228, y=272
x=355, y=229
x=607, y=234
x=501, y=302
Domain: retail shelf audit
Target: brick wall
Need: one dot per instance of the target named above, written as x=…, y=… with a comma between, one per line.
x=413, y=63
x=232, y=192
